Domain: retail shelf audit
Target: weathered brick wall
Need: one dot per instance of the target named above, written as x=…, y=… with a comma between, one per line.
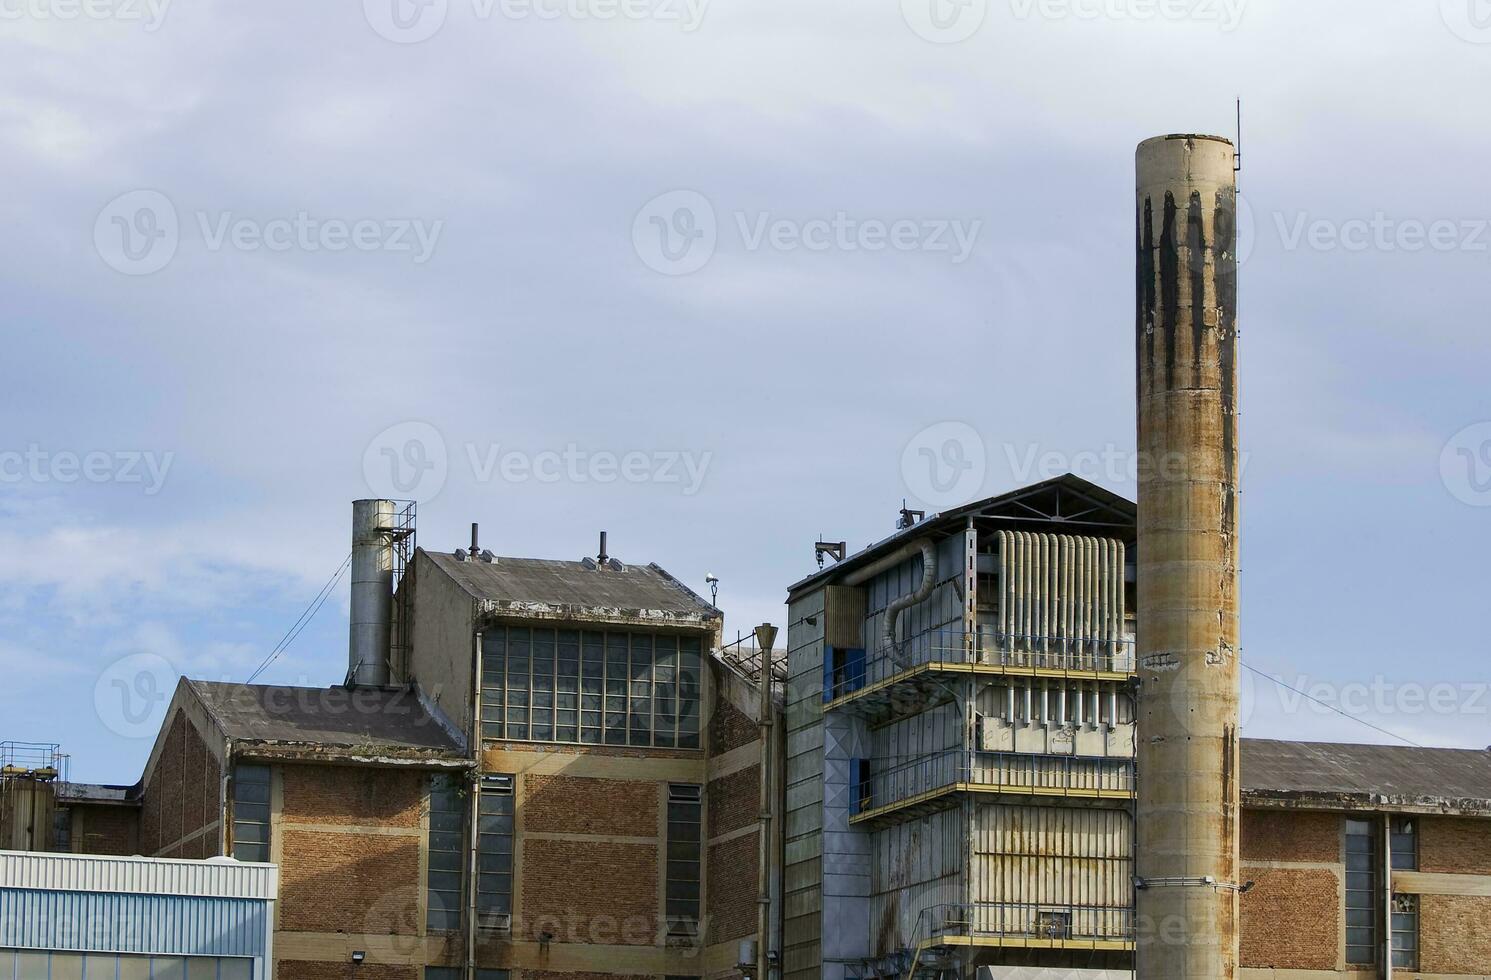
x=1291, y=919
x=578, y=805
x=304, y=970
x=1455, y=845
x=348, y=882
x=1291, y=835
x=1454, y=934
x=553, y=975
x=730, y=903
x=105, y=829
x=590, y=891
x=182, y=795
x=730, y=728
x=733, y=801
x=342, y=796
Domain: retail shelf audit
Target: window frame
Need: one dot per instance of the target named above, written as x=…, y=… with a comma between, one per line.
x=683, y=890
x=242, y=803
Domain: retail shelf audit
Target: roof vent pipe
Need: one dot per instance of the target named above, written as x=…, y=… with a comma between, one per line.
x=928, y=552
x=372, y=593
x=601, y=558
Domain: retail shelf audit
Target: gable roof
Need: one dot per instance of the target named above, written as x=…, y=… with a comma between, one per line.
x=334, y=723
x=1332, y=775
x=1065, y=502
x=577, y=589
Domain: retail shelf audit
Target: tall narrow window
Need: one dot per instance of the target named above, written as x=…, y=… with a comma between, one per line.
x=250, y=812
x=685, y=845
x=690, y=685
x=494, y=853
x=592, y=686
x=443, y=881
x=1405, y=925
x=1362, y=904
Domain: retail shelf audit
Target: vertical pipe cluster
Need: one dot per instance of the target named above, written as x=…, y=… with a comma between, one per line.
x=1062, y=598
x=1186, y=342
x=372, y=592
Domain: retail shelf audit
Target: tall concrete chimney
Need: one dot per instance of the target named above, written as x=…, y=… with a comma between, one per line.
x=372, y=592
x=1187, y=822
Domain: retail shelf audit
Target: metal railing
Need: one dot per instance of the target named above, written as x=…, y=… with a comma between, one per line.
x=745, y=656
x=991, y=648
x=1013, y=771
x=1027, y=921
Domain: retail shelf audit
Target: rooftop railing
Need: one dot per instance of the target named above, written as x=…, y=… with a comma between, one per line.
x=1030, y=923
x=989, y=648
x=1013, y=772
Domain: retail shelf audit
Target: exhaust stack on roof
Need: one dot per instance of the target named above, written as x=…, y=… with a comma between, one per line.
x=1187, y=823
x=373, y=526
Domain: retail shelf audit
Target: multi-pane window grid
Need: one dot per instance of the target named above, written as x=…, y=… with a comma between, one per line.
x=251, y=812
x=1363, y=905
x=685, y=812
x=590, y=687
x=494, y=853
x=443, y=881
x=1405, y=914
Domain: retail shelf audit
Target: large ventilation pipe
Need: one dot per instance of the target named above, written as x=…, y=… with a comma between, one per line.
x=1187, y=562
x=372, y=592
x=928, y=552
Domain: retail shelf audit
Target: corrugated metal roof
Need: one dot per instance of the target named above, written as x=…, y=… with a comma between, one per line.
x=537, y=584
x=1032, y=503
x=366, y=719
x=216, y=878
x=1381, y=775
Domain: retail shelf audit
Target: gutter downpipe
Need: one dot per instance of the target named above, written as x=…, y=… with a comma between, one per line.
x=765, y=640
x=475, y=805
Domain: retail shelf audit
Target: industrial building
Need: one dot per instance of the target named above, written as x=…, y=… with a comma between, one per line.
x=88, y=917
x=1001, y=743
x=534, y=768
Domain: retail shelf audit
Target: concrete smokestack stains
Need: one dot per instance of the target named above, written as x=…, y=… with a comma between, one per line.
x=1186, y=333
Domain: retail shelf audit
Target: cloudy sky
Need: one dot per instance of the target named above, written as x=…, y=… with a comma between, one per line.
x=703, y=273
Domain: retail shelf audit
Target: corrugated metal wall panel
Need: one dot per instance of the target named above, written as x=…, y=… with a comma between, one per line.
x=137, y=876
x=133, y=923
x=1053, y=855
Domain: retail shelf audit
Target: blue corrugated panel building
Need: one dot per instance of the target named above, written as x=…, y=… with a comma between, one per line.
x=88, y=917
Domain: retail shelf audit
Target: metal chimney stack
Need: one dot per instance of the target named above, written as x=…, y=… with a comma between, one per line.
x=372, y=592
x=1187, y=818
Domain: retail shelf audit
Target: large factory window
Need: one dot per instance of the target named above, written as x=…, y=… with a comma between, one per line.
x=1362, y=902
x=591, y=687
x=494, y=853
x=685, y=843
x=250, y=812
x=443, y=880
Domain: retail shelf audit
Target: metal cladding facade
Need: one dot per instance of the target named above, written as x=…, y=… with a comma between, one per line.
x=1186, y=334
